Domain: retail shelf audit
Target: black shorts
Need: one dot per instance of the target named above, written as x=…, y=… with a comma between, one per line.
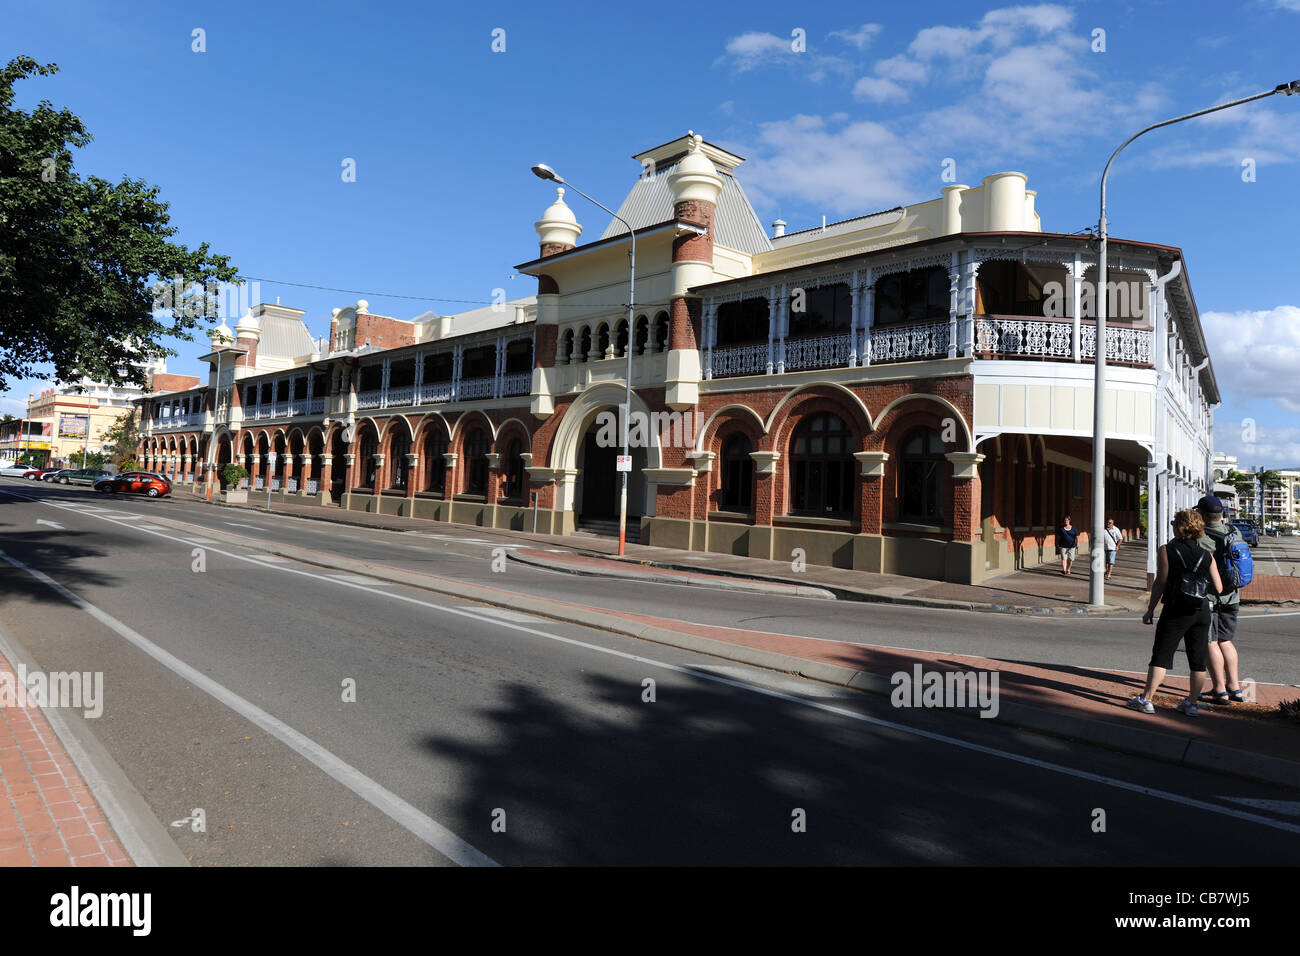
x=1223, y=626
x=1192, y=629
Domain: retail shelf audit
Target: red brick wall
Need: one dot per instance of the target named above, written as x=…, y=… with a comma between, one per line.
x=383, y=332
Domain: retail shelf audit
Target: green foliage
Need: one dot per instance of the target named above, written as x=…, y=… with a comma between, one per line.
x=128, y=464
x=1142, y=513
x=233, y=475
x=121, y=438
x=78, y=256
x=96, y=459
x=32, y=459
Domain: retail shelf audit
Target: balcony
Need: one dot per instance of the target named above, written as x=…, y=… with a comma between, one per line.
x=993, y=338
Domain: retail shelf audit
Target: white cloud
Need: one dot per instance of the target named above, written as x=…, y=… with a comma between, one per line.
x=878, y=90
x=902, y=69
x=861, y=37
x=754, y=49
x=1273, y=447
x=1292, y=5
x=843, y=167
x=1256, y=355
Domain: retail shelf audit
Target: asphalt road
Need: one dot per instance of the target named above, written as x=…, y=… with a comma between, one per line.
x=480, y=735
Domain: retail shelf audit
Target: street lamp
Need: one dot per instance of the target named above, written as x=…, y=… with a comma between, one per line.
x=542, y=171
x=1096, y=585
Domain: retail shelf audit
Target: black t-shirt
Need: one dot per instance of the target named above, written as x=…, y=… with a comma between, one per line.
x=1186, y=559
x=1069, y=536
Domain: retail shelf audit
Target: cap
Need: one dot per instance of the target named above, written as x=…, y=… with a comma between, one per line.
x=1210, y=505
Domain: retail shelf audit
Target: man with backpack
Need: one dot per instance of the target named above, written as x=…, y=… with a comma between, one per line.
x=1236, y=568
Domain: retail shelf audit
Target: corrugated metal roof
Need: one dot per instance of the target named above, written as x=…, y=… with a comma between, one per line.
x=735, y=226
x=284, y=337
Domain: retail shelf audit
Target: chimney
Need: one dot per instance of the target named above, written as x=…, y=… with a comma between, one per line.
x=778, y=229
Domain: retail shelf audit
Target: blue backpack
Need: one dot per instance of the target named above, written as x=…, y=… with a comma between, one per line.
x=1236, y=566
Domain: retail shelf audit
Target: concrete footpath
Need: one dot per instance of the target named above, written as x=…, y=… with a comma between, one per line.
x=1083, y=704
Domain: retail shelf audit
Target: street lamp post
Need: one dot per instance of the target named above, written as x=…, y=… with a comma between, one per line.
x=1096, y=580
x=542, y=171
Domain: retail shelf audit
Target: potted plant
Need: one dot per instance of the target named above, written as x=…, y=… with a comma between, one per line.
x=233, y=475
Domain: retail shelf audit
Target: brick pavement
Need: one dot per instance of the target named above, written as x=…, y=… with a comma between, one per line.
x=48, y=816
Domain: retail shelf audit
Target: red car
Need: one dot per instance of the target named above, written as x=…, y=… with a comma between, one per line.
x=135, y=482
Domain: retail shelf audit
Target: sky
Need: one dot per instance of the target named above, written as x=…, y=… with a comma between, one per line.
x=840, y=110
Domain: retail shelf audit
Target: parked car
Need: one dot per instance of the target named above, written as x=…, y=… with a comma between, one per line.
x=1248, y=533
x=135, y=482
x=86, y=476
x=19, y=471
x=54, y=474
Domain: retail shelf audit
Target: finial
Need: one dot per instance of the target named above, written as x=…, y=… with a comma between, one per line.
x=559, y=194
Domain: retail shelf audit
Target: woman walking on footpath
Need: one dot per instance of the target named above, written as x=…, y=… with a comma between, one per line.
x=1185, y=576
x=1068, y=537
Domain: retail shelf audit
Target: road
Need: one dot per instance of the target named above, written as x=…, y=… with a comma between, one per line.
x=479, y=735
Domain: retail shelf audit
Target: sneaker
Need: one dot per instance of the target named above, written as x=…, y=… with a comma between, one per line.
x=1142, y=704
x=1189, y=708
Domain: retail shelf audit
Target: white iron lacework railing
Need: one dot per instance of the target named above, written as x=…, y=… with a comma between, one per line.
x=517, y=383
x=316, y=406
x=370, y=399
x=293, y=485
x=257, y=483
x=740, y=360
x=398, y=397
x=1024, y=337
x=243, y=483
x=909, y=342
x=475, y=388
x=312, y=486
x=275, y=483
x=824, y=351
x=434, y=392
x=1122, y=344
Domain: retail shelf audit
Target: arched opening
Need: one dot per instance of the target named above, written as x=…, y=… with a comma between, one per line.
x=512, y=467
x=642, y=335
x=821, y=467
x=661, y=332
x=368, y=447
x=737, y=475
x=435, y=465
x=921, y=479
x=584, y=344
x=566, y=347
x=620, y=339
x=476, y=464
x=398, y=448
x=602, y=341
x=599, y=483
x=338, y=449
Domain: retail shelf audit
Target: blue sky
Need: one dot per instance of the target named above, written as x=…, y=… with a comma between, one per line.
x=247, y=139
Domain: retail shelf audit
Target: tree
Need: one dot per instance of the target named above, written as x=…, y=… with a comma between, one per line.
x=121, y=437
x=79, y=257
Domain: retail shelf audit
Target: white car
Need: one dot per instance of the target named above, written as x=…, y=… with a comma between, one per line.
x=17, y=471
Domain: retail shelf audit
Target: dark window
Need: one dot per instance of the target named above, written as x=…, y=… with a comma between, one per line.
x=821, y=467
x=398, y=449
x=566, y=347
x=826, y=310
x=476, y=466
x=282, y=390
x=401, y=374
x=918, y=296
x=602, y=340
x=921, y=473
x=1016, y=288
x=479, y=362
x=737, y=474
x=742, y=323
x=1076, y=483
x=514, y=470
x=620, y=339
x=250, y=397
x=369, y=447
x=437, y=367
x=642, y=334
x=519, y=356
x=320, y=386
x=266, y=393
x=435, y=466
x=300, y=387
x=371, y=377
x=987, y=480
x=661, y=331
x=584, y=344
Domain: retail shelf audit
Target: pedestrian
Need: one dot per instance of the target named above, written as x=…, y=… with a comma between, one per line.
x=1185, y=576
x=1067, y=536
x=1111, y=540
x=1220, y=538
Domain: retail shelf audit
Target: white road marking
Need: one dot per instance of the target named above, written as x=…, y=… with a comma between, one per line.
x=701, y=675
x=236, y=524
x=201, y=541
x=397, y=809
x=1290, y=808
x=504, y=614
x=358, y=579
x=273, y=558
x=53, y=524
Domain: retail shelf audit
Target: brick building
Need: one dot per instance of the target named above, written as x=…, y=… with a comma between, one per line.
x=906, y=391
